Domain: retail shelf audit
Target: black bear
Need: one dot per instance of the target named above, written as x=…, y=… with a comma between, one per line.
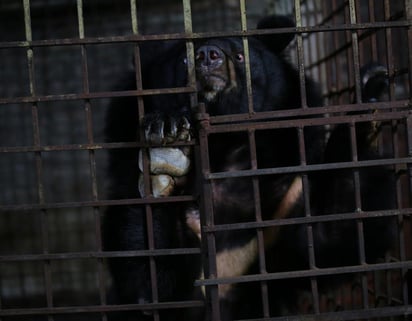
x=221, y=82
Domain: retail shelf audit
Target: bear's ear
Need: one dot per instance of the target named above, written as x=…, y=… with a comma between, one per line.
x=276, y=42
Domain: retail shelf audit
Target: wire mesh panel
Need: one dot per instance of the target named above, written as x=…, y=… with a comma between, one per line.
x=292, y=143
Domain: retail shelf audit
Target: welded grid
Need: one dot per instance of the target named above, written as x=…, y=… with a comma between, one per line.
x=38, y=149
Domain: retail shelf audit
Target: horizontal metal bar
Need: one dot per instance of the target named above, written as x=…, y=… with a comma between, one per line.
x=307, y=220
x=100, y=308
x=203, y=35
x=96, y=95
x=216, y=120
x=309, y=168
x=310, y=121
x=313, y=111
x=94, y=146
x=97, y=255
x=360, y=314
x=306, y=273
x=99, y=203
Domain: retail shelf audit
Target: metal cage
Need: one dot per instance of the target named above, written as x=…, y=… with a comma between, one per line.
x=58, y=62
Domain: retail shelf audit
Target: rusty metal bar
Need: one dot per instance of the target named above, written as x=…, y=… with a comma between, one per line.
x=38, y=160
x=290, y=123
x=92, y=159
x=106, y=94
x=258, y=218
x=307, y=273
x=94, y=146
x=244, y=173
x=98, y=255
x=245, y=42
x=300, y=57
x=203, y=35
x=327, y=110
x=207, y=214
x=308, y=220
x=99, y=308
x=341, y=315
x=126, y=201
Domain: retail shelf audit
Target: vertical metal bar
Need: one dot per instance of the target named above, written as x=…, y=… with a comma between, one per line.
x=38, y=157
x=373, y=39
x=146, y=171
x=249, y=89
x=209, y=264
x=309, y=229
x=338, y=78
x=406, y=290
x=355, y=52
x=207, y=217
x=396, y=137
x=252, y=145
x=358, y=97
x=319, y=48
x=327, y=43
x=92, y=158
x=187, y=16
x=361, y=43
x=389, y=51
x=300, y=55
x=258, y=218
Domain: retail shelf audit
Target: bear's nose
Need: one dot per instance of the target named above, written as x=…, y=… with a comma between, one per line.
x=208, y=54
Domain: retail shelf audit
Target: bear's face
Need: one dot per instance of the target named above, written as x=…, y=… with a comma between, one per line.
x=221, y=75
x=219, y=63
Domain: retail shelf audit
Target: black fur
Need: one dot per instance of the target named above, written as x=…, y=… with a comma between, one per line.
x=275, y=85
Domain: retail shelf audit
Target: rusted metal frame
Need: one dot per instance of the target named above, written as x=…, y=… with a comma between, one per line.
x=145, y=165
x=334, y=55
x=98, y=255
x=207, y=215
x=38, y=159
x=126, y=201
x=366, y=314
x=310, y=168
x=308, y=214
x=390, y=63
x=318, y=45
x=258, y=218
x=328, y=68
x=92, y=158
x=94, y=146
x=352, y=269
x=295, y=122
x=308, y=220
x=361, y=44
x=98, y=308
x=340, y=315
x=373, y=37
x=105, y=94
x=302, y=154
x=253, y=155
x=396, y=149
x=203, y=35
x=398, y=105
x=313, y=111
x=300, y=56
x=408, y=12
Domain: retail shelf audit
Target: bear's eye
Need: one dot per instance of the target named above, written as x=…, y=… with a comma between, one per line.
x=239, y=57
x=185, y=60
